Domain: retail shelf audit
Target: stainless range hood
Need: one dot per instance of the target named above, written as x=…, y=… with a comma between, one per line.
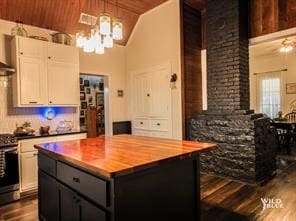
x=5, y=69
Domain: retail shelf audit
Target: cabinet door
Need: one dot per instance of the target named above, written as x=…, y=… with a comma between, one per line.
x=62, y=53
x=48, y=198
x=31, y=48
x=69, y=208
x=75, y=208
x=89, y=212
x=160, y=93
x=141, y=94
x=29, y=171
x=63, y=84
x=32, y=82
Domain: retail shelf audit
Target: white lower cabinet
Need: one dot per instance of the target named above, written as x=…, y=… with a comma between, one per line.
x=28, y=170
x=28, y=159
x=152, y=127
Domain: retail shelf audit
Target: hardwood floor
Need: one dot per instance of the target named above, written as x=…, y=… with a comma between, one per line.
x=222, y=200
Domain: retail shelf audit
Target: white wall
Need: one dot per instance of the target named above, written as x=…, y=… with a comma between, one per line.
x=111, y=64
x=156, y=41
x=270, y=62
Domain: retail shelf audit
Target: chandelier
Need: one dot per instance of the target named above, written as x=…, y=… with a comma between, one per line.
x=287, y=45
x=102, y=34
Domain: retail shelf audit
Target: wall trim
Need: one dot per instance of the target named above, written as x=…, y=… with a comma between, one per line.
x=273, y=36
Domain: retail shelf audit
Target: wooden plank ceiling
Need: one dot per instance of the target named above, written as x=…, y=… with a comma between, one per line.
x=199, y=5
x=63, y=15
x=268, y=16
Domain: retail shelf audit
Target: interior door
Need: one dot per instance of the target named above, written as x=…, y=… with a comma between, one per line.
x=63, y=83
x=32, y=81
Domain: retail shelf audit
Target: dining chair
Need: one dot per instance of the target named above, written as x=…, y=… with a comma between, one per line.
x=292, y=117
x=280, y=135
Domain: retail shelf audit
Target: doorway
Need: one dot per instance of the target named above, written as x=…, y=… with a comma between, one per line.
x=93, y=104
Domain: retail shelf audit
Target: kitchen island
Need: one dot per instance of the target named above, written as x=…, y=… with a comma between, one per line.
x=120, y=178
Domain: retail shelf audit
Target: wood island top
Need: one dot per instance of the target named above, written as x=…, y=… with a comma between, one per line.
x=122, y=154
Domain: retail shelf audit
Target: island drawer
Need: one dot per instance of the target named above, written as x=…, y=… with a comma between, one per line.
x=47, y=164
x=88, y=185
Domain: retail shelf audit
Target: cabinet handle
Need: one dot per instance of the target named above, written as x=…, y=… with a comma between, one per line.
x=33, y=102
x=148, y=95
x=158, y=124
x=141, y=122
x=77, y=200
x=49, y=57
x=76, y=179
x=35, y=154
x=21, y=53
x=50, y=102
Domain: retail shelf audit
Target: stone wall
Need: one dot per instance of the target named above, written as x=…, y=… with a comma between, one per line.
x=246, y=145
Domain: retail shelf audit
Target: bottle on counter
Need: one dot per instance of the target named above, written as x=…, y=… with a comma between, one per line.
x=19, y=29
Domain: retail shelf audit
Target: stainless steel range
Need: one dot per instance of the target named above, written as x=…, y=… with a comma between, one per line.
x=9, y=169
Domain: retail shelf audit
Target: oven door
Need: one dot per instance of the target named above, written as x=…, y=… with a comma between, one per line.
x=9, y=180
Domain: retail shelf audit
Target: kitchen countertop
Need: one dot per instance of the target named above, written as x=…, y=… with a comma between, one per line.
x=52, y=133
x=123, y=154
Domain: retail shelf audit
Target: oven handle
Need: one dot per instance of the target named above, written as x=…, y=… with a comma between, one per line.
x=11, y=150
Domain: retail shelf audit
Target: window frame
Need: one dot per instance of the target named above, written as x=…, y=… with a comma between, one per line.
x=267, y=75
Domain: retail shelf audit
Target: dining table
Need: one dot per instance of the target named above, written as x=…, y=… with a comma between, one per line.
x=289, y=128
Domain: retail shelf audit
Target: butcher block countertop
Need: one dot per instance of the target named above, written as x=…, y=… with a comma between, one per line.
x=123, y=154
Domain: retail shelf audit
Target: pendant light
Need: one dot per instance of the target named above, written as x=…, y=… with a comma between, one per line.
x=117, y=32
x=80, y=39
x=108, y=41
x=97, y=41
x=105, y=22
x=89, y=45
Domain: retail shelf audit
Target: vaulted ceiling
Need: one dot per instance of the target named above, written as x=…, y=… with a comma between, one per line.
x=63, y=15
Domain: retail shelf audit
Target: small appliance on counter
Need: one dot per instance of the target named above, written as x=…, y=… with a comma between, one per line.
x=64, y=126
x=9, y=169
x=44, y=130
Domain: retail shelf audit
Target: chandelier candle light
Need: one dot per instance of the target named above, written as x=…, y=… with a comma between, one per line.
x=102, y=35
x=287, y=45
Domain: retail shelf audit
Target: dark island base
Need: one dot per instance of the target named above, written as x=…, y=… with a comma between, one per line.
x=169, y=191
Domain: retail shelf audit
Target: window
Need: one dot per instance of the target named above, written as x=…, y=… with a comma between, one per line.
x=269, y=93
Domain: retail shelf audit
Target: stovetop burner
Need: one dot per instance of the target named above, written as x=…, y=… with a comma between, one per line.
x=7, y=140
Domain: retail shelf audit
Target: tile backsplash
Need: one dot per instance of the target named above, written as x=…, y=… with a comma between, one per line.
x=10, y=116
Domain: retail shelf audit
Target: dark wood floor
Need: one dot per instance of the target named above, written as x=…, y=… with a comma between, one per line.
x=222, y=200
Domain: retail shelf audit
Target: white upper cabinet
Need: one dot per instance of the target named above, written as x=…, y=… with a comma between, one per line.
x=47, y=73
x=63, y=84
x=31, y=81
x=30, y=48
x=62, y=53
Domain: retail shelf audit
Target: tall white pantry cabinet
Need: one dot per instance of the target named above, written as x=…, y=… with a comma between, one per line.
x=47, y=74
x=151, y=99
